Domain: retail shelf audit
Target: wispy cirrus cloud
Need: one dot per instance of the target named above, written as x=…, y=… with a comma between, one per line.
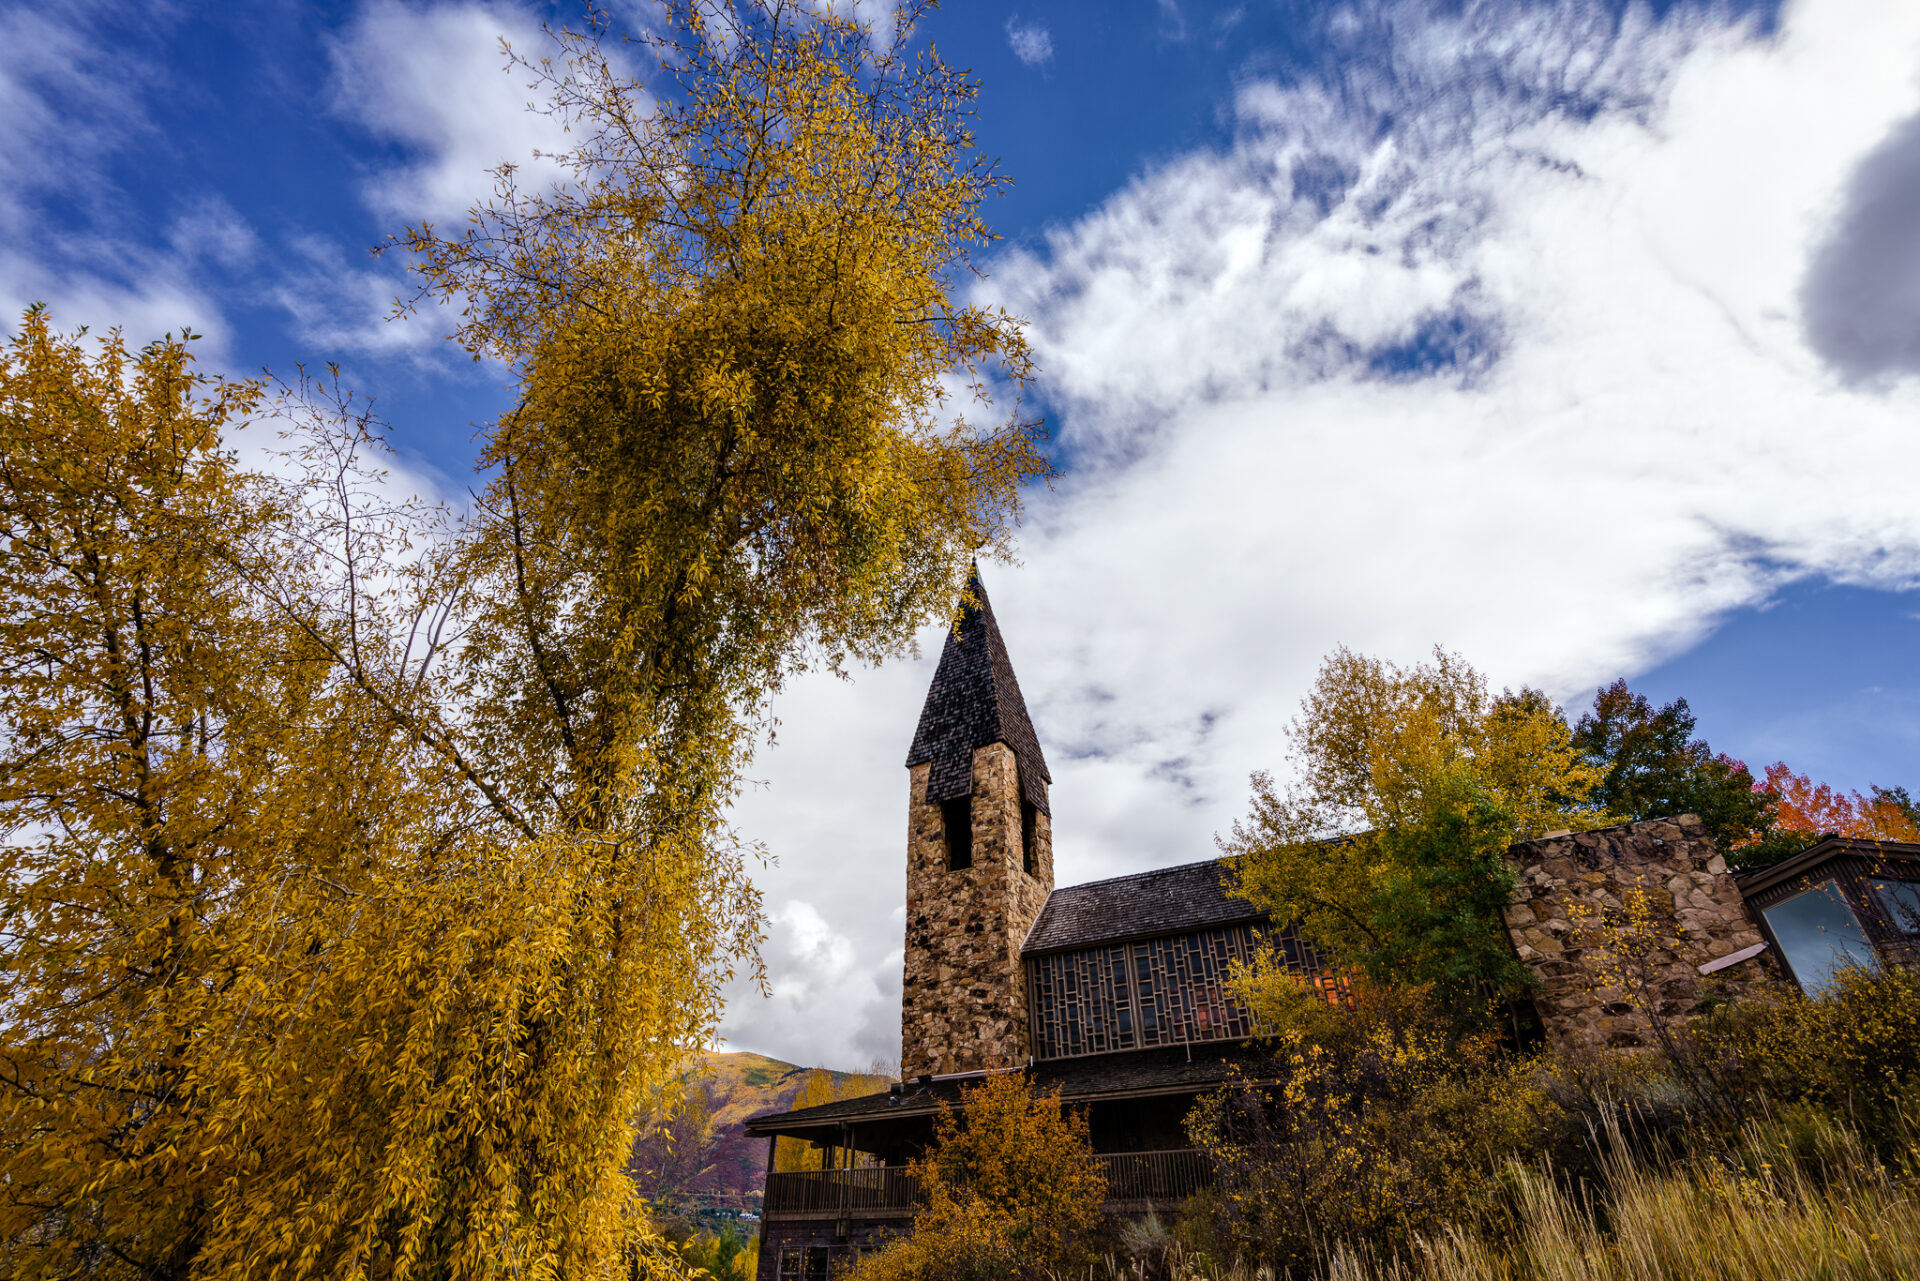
x=74, y=99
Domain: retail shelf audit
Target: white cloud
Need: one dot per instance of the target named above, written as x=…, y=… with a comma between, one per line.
x=68, y=104
x=1173, y=23
x=1495, y=340
x=336, y=301
x=814, y=968
x=436, y=82
x=1031, y=42
x=212, y=231
x=72, y=101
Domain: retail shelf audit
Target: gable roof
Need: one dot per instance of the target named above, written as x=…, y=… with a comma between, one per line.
x=1166, y=901
x=1816, y=856
x=974, y=700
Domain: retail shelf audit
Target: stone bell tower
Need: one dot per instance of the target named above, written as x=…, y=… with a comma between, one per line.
x=979, y=857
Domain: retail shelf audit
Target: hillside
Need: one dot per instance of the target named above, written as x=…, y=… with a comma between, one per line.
x=704, y=1160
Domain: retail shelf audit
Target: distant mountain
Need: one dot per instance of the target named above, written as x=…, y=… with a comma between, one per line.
x=703, y=1161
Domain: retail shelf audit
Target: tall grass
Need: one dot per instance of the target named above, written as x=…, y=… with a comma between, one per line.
x=1783, y=1203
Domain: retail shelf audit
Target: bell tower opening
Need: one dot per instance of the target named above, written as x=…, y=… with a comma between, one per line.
x=1029, y=838
x=956, y=821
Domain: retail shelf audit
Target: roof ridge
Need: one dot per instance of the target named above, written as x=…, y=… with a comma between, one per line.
x=1147, y=904
x=1134, y=876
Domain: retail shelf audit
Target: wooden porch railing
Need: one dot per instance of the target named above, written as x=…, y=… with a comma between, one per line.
x=1138, y=1179
x=1135, y=1180
x=831, y=1194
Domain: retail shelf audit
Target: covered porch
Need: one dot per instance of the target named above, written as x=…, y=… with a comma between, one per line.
x=1136, y=1183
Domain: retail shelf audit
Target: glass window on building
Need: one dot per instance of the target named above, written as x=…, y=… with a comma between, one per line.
x=808, y=1263
x=1818, y=935
x=1900, y=900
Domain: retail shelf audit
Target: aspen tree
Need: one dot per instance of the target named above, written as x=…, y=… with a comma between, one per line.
x=1387, y=846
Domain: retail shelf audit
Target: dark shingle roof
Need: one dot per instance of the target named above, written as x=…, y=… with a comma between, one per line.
x=974, y=701
x=1166, y=901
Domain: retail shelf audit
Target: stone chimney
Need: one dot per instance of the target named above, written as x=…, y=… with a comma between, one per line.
x=979, y=857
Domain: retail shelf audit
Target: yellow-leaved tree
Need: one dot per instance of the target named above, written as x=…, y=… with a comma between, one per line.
x=1387, y=846
x=1013, y=1190
x=820, y=1087
x=367, y=871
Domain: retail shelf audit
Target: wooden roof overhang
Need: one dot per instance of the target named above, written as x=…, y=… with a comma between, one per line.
x=1854, y=865
x=1836, y=854
x=909, y=1108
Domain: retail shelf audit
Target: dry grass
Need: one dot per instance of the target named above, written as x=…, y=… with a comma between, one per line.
x=1772, y=1209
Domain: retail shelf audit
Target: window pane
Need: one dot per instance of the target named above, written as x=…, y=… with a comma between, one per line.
x=1901, y=902
x=1818, y=933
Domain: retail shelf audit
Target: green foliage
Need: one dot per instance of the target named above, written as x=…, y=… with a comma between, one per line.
x=1853, y=1051
x=1775, y=844
x=1443, y=898
x=1387, y=847
x=1655, y=768
x=727, y=1255
x=1013, y=1191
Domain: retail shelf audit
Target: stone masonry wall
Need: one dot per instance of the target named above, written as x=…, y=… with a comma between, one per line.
x=1571, y=885
x=963, y=999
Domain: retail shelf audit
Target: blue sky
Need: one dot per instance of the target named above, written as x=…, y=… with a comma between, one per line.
x=1581, y=337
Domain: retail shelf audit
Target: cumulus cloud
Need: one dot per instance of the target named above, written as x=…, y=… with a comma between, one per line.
x=1031, y=42
x=814, y=968
x=1490, y=334
x=436, y=82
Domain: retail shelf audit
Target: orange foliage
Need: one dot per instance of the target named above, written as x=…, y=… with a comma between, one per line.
x=1804, y=806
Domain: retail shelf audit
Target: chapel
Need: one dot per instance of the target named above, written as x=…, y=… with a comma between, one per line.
x=1114, y=995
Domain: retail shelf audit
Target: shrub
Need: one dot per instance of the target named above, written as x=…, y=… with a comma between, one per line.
x=1013, y=1191
x=1757, y=1209
x=1853, y=1051
x=1377, y=1126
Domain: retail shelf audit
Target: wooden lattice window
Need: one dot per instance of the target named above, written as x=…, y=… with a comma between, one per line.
x=1161, y=991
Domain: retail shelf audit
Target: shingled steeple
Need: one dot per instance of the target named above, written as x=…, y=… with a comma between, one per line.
x=979, y=857
x=974, y=701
